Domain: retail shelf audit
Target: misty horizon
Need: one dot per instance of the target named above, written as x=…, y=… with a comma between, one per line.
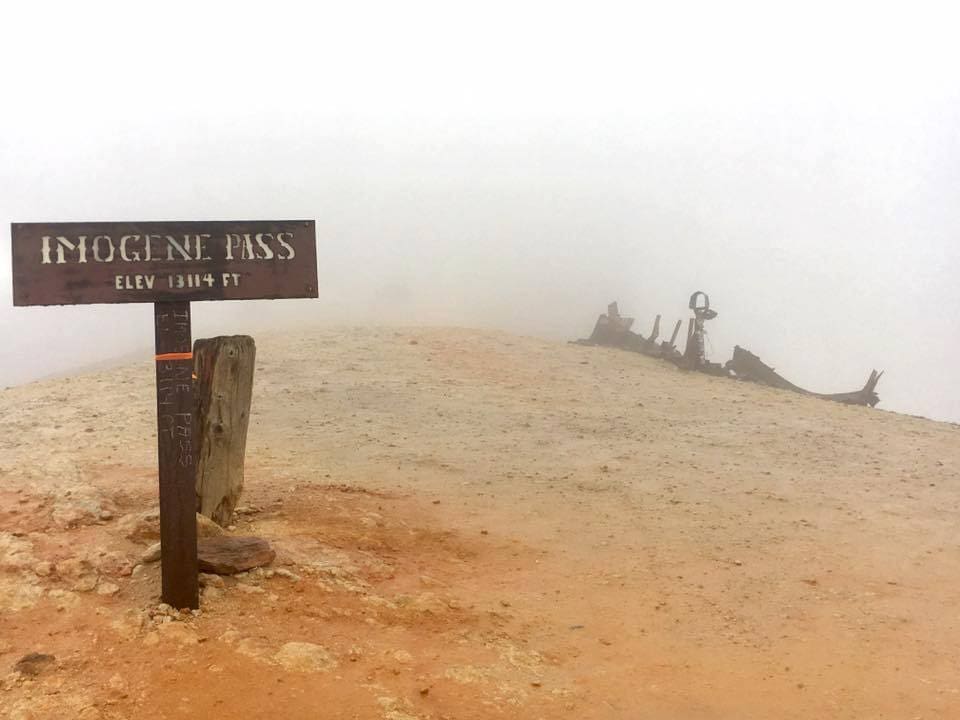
x=812, y=195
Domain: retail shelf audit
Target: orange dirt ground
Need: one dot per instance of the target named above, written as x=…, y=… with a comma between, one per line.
x=476, y=525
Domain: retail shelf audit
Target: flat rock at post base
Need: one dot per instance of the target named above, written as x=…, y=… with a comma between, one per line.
x=227, y=555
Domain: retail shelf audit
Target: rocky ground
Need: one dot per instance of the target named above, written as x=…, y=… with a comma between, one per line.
x=475, y=525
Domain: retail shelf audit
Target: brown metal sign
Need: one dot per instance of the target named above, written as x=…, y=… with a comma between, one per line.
x=123, y=262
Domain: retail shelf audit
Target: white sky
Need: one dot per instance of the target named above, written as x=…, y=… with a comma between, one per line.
x=517, y=165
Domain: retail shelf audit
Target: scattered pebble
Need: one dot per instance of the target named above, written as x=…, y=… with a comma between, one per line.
x=85, y=584
x=34, y=663
x=151, y=554
x=211, y=580
x=107, y=588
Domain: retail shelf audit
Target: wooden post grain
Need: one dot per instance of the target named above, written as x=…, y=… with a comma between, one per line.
x=176, y=455
x=224, y=369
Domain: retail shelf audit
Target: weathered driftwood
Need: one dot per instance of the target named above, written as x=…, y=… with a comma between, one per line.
x=224, y=384
x=748, y=366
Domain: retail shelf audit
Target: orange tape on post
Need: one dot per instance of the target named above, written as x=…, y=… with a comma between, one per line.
x=174, y=356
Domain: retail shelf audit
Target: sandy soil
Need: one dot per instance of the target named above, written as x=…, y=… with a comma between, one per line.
x=475, y=525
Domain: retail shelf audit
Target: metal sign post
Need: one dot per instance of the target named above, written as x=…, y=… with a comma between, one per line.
x=168, y=264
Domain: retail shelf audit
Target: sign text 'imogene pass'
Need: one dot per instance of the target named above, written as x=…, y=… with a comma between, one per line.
x=78, y=263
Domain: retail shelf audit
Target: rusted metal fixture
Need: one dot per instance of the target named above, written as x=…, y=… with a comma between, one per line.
x=613, y=330
x=746, y=366
x=695, y=354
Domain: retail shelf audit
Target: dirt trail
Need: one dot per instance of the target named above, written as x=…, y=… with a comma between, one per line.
x=476, y=525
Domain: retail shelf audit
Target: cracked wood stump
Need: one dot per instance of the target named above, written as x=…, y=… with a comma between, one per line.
x=224, y=384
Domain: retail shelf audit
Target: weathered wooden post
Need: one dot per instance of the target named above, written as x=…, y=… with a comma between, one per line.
x=224, y=371
x=170, y=264
x=176, y=454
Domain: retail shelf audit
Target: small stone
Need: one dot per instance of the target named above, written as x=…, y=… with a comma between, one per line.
x=85, y=584
x=151, y=554
x=115, y=564
x=43, y=569
x=208, y=579
x=283, y=572
x=143, y=527
x=74, y=568
x=402, y=656
x=178, y=632
x=305, y=657
x=207, y=527
x=34, y=663
x=117, y=685
x=106, y=514
x=107, y=588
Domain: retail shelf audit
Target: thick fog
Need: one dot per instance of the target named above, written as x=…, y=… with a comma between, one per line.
x=517, y=169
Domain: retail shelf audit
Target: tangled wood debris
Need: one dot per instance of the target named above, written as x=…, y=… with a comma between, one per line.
x=614, y=330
